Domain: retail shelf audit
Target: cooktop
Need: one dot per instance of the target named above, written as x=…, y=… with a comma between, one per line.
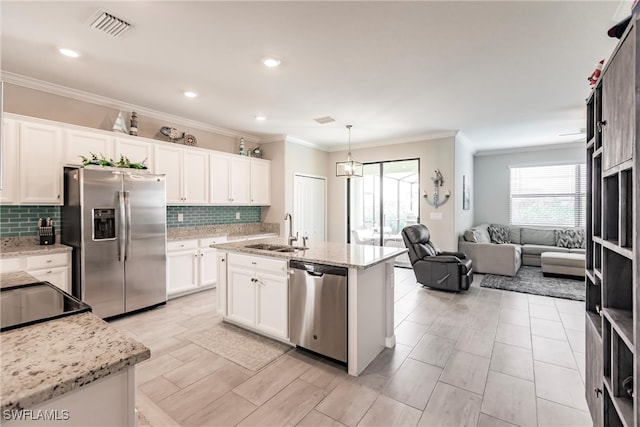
x=31, y=303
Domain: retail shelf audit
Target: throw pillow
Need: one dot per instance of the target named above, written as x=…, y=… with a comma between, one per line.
x=570, y=238
x=499, y=233
x=477, y=234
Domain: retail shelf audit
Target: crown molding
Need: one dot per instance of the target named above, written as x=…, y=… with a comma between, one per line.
x=394, y=141
x=532, y=148
x=78, y=95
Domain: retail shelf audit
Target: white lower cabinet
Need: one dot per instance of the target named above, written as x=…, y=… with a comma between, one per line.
x=257, y=293
x=182, y=266
x=191, y=265
x=53, y=268
x=58, y=276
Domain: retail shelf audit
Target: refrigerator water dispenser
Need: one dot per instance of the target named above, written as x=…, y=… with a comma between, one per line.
x=104, y=224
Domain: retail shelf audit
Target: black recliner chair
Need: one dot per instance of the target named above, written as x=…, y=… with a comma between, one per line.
x=442, y=270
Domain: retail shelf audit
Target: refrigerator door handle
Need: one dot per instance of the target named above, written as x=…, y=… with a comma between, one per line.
x=122, y=231
x=127, y=203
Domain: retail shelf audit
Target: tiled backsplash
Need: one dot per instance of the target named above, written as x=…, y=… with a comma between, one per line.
x=212, y=215
x=21, y=221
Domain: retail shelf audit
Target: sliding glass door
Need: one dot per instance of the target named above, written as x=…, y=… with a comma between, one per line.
x=383, y=201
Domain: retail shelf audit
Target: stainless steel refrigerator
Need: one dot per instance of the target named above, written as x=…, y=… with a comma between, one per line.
x=115, y=220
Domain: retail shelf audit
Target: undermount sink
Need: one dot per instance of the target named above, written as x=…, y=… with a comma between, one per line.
x=275, y=248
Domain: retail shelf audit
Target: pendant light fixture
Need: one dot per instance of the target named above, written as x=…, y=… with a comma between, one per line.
x=349, y=168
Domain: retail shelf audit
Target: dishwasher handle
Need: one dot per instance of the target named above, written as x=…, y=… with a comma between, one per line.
x=315, y=273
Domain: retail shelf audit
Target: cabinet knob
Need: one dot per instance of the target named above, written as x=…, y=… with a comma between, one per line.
x=49, y=272
x=48, y=261
x=222, y=260
x=597, y=391
x=58, y=197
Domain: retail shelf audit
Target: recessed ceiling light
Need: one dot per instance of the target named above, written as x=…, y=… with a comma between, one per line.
x=271, y=62
x=261, y=118
x=190, y=94
x=68, y=52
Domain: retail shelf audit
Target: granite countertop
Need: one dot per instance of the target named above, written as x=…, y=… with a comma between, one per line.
x=43, y=361
x=16, y=278
x=340, y=254
x=33, y=249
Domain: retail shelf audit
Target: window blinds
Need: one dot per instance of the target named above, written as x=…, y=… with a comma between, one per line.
x=548, y=195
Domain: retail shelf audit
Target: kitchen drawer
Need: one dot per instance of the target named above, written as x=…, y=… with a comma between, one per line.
x=46, y=261
x=57, y=276
x=8, y=265
x=274, y=266
x=182, y=245
x=205, y=243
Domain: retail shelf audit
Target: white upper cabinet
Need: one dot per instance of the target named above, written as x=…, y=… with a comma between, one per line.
x=135, y=151
x=9, y=187
x=82, y=143
x=168, y=161
x=40, y=149
x=260, y=182
x=230, y=179
x=187, y=174
x=240, y=180
x=195, y=173
x=219, y=176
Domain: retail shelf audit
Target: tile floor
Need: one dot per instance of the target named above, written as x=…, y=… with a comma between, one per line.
x=482, y=357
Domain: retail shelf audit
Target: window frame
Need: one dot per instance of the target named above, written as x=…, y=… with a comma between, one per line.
x=578, y=195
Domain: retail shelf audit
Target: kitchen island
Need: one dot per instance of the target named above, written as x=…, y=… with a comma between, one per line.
x=75, y=370
x=370, y=291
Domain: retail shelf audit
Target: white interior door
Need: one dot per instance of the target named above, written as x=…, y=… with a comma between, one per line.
x=310, y=206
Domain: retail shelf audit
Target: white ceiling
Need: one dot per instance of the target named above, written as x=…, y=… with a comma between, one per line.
x=506, y=74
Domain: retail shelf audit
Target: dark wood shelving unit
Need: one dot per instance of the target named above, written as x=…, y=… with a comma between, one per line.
x=612, y=297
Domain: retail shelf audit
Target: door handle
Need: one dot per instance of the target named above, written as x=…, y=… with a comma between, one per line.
x=122, y=232
x=127, y=203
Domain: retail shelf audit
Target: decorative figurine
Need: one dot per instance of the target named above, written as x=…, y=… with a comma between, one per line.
x=593, y=78
x=118, y=125
x=171, y=133
x=133, y=128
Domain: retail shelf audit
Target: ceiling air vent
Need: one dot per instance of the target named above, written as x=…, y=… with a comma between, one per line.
x=325, y=120
x=110, y=25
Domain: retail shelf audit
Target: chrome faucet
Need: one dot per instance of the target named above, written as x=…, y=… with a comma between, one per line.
x=291, y=237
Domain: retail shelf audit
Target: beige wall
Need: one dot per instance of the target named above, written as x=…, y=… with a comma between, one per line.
x=35, y=103
x=433, y=154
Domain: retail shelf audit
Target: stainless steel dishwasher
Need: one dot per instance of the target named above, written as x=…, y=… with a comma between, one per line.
x=318, y=308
